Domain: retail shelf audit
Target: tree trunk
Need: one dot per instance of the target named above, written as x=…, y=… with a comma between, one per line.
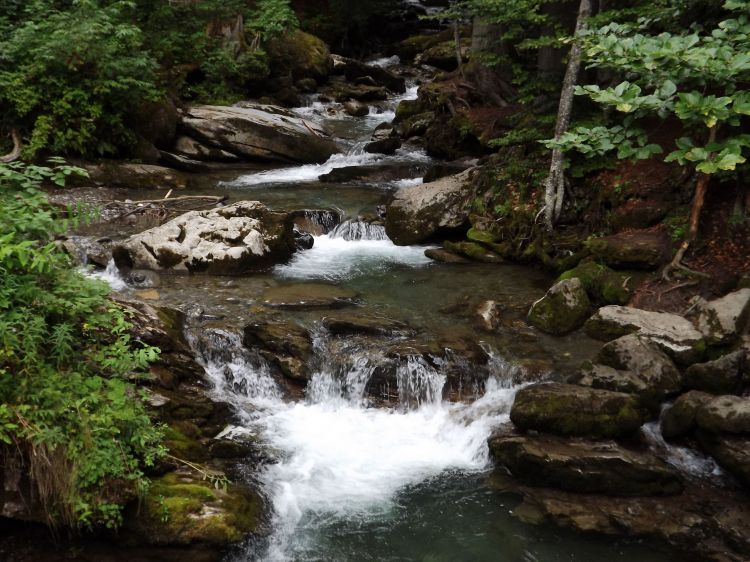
x=14, y=154
x=457, y=39
x=554, y=185
x=492, y=83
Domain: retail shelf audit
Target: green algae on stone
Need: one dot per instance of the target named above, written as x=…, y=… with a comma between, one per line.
x=603, y=285
x=563, y=309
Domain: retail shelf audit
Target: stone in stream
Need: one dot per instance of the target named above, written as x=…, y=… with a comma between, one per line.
x=601, y=467
x=349, y=323
x=444, y=256
x=372, y=173
x=308, y=296
x=725, y=375
x=473, y=251
x=421, y=211
x=285, y=344
x=563, y=309
x=680, y=418
x=725, y=414
x=672, y=333
x=197, y=151
x=384, y=146
x=732, y=452
x=570, y=410
x=225, y=241
x=603, y=285
x=354, y=69
x=255, y=133
x=722, y=320
x=356, y=109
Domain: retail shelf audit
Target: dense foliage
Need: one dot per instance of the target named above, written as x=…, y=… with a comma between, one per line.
x=67, y=410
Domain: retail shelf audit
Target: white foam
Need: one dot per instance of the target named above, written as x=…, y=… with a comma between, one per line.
x=110, y=275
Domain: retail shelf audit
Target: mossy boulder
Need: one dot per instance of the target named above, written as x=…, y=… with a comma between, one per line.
x=300, y=54
x=570, y=410
x=602, y=284
x=638, y=249
x=563, y=309
x=679, y=419
x=726, y=375
x=407, y=109
x=473, y=251
x=182, y=508
x=443, y=55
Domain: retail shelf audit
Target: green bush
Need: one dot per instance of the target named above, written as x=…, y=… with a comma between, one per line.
x=67, y=410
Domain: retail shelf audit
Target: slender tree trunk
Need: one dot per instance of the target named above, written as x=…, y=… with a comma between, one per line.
x=554, y=185
x=457, y=39
x=14, y=154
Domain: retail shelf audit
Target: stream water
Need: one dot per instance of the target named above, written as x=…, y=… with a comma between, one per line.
x=350, y=481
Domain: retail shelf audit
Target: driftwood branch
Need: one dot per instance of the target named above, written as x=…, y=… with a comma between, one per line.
x=166, y=205
x=14, y=154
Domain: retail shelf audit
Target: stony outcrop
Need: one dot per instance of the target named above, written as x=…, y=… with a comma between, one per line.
x=729, y=374
x=644, y=249
x=672, y=333
x=285, y=344
x=603, y=467
x=563, y=309
x=193, y=149
x=570, y=410
x=419, y=212
x=261, y=133
x=722, y=320
x=225, y=241
x=680, y=417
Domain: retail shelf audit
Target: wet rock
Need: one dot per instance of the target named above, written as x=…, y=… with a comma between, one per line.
x=563, y=309
x=224, y=241
x=489, y=314
x=602, y=284
x=725, y=414
x=646, y=249
x=198, y=151
x=570, y=410
x=647, y=362
x=354, y=69
x=255, y=133
x=342, y=324
x=416, y=126
x=672, y=333
x=182, y=508
x=679, y=418
x=473, y=251
x=443, y=169
x=443, y=255
x=142, y=278
x=371, y=173
x=156, y=121
x=356, y=109
x=344, y=91
x=722, y=320
x=309, y=295
x=732, y=452
x=384, y=146
x=602, y=467
x=608, y=378
x=420, y=211
x=726, y=375
x=182, y=163
x=285, y=344
x=315, y=221
x=136, y=176
x=303, y=240
x=383, y=131
x=87, y=250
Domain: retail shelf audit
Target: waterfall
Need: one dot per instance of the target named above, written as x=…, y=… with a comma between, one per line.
x=111, y=275
x=359, y=230
x=419, y=383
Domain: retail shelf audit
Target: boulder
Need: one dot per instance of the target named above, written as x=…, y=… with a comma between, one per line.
x=354, y=69
x=259, y=133
x=345, y=324
x=732, y=452
x=603, y=467
x=605, y=377
x=305, y=296
x=182, y=162
x=384, y=146
x=198, y=151
x=356, y=109
x=647, y=362
x=725, y=414
x=723, y=320
x=726, y=375
x=285, y=344
x=359, y=92
x=680, y=418
x=444, y=256
x=672, y=333
x=225, y=241
x=442, y=169
x=156, y=121
x=443, y=55
x=602, y=284
x=299, y=54
x=638, y=249
x=563, y=309
x=570, y=410
x=421, y=211
x=473, y=251
x=136, y=176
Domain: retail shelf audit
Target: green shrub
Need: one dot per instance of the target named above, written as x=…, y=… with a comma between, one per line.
x=67, y=410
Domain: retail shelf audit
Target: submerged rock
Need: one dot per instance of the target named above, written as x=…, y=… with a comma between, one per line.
x=443, y=255
x=603, y=467
x=672, y=333
x=349, y=323
x=224, y=241
x=570, y=410
x=563, y=309
x=473, y=251
x=256, y=133
x=419, y=212
x=309, y=295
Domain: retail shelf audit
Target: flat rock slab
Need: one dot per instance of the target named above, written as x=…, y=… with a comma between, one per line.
x=723, y=320
x=309, y=295
x=349, y=323
x=584, y=466
x=725, y=414
x=672, y=333
x=571, y=410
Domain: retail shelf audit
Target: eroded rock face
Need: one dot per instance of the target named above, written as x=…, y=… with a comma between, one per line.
x=672, y=333
x=570, y=410
x=260, y=133
x=725, y=414
x=563, y=309
x=226, y=241
x=603, y=467
x=722, y=320
x=420, y=211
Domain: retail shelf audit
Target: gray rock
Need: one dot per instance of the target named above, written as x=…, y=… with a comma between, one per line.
x=570, y=410
x=136, y=176
x=725, y=414
x=722, y=320
x=285, y=344
x=354, y=69
x=732, y=452
x=609, y=378
x=257, y=133
x=142, y=279
x=725, y=375
x=356, y=109
x=679, y=418
x=418, y=212
x=563, y=309
x=198, y=151
x=674, y=334
x=384, y=146
x=599, y=467
x=225, y=241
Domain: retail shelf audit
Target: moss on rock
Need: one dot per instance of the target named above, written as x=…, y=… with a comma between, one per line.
x=300, y=54
x=602, y=284
x=563, y=309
